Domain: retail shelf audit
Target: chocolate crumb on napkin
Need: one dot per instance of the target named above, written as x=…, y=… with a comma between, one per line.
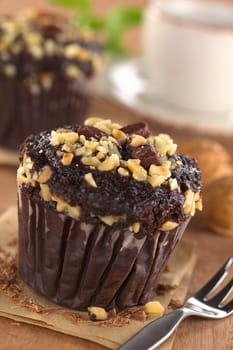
x=21, y=304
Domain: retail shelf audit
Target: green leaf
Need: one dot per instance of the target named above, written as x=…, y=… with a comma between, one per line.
x=112, y=26
x=91, y=22
x=115, y=47
x=120, y=19
x=81, y=5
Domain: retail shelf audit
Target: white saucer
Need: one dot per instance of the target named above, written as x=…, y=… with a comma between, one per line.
x=126, y=82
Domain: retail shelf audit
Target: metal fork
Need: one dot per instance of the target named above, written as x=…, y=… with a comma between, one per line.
x=156, y=332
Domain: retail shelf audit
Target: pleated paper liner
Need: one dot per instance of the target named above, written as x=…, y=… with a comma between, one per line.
x=59, y=257
x=182, y=263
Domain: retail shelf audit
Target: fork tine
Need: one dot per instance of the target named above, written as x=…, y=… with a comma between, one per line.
x=215, y=281
x=222, y=295
x=229, y=307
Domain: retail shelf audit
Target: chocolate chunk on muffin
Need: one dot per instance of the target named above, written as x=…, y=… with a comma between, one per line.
x=101, y=208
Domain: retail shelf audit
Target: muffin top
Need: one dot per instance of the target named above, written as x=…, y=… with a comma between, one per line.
x=46, y=45
x=103, y=172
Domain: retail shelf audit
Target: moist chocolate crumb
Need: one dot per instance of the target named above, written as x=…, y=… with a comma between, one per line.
x=175, y=304
x=163, y=289
x=73, y=316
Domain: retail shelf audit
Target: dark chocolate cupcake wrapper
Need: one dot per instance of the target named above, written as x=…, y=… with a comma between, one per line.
x=28, y=110
x=76, y=264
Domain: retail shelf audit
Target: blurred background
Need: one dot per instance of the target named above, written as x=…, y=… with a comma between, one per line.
x=100, y=8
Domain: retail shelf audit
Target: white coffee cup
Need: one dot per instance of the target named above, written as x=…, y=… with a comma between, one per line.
x=188, y=53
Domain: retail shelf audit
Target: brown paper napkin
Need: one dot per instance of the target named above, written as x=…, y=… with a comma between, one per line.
x=182, y=262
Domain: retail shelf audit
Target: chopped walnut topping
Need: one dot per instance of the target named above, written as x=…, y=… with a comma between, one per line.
x=92, y=145
x=169, y=225
x=36, y=51
x=10, y=70
x=154, y=307
x=92, y=121
x=106, y=147
x=159, y=173
x=73, y=51
x=63, y=206
x=70, y=51
x=139, y=173
x=164, y=144
x=58, y=138
x=45, y=192
x=97, y=313
x=33, y=38
x=104, y=125
x=82, y=139
x=50, y=47
x=91, y=161
x=33, y=35
x=46, y=80
x=73, y=212
x=45, y=174
x=155, y=180
x=137, y=140
x=90, y=180
x=109, y=163
x=73, y=71
x=189, y=204
x=100, y=155
x=111, y=219
x=67, y=158
x=135, y=227
x=173, y=184
x=25, y=173
x=198, y=201
x=198, y=204
x=123, y=171
x=118, y=134
x=80, y=151
x=68, y=147
x=160, y=170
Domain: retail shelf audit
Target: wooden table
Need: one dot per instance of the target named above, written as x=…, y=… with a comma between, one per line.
x=193, y=334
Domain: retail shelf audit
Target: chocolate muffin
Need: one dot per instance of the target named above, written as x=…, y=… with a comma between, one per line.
x=45, y=66
x=101, y=207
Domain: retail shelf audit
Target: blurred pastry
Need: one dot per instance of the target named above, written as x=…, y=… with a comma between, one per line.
x=46, y=65
x=218, y=206
x=214, y=160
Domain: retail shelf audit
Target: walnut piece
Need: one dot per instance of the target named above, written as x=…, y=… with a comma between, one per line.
x=97, y=313
x=154, y=307
x=214, y=160
x=218, y=206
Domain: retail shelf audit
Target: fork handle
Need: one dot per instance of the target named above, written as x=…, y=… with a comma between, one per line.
x=156, y=332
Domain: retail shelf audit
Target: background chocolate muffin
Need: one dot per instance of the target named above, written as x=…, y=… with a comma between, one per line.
x=101, y=208
x=45, y=64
